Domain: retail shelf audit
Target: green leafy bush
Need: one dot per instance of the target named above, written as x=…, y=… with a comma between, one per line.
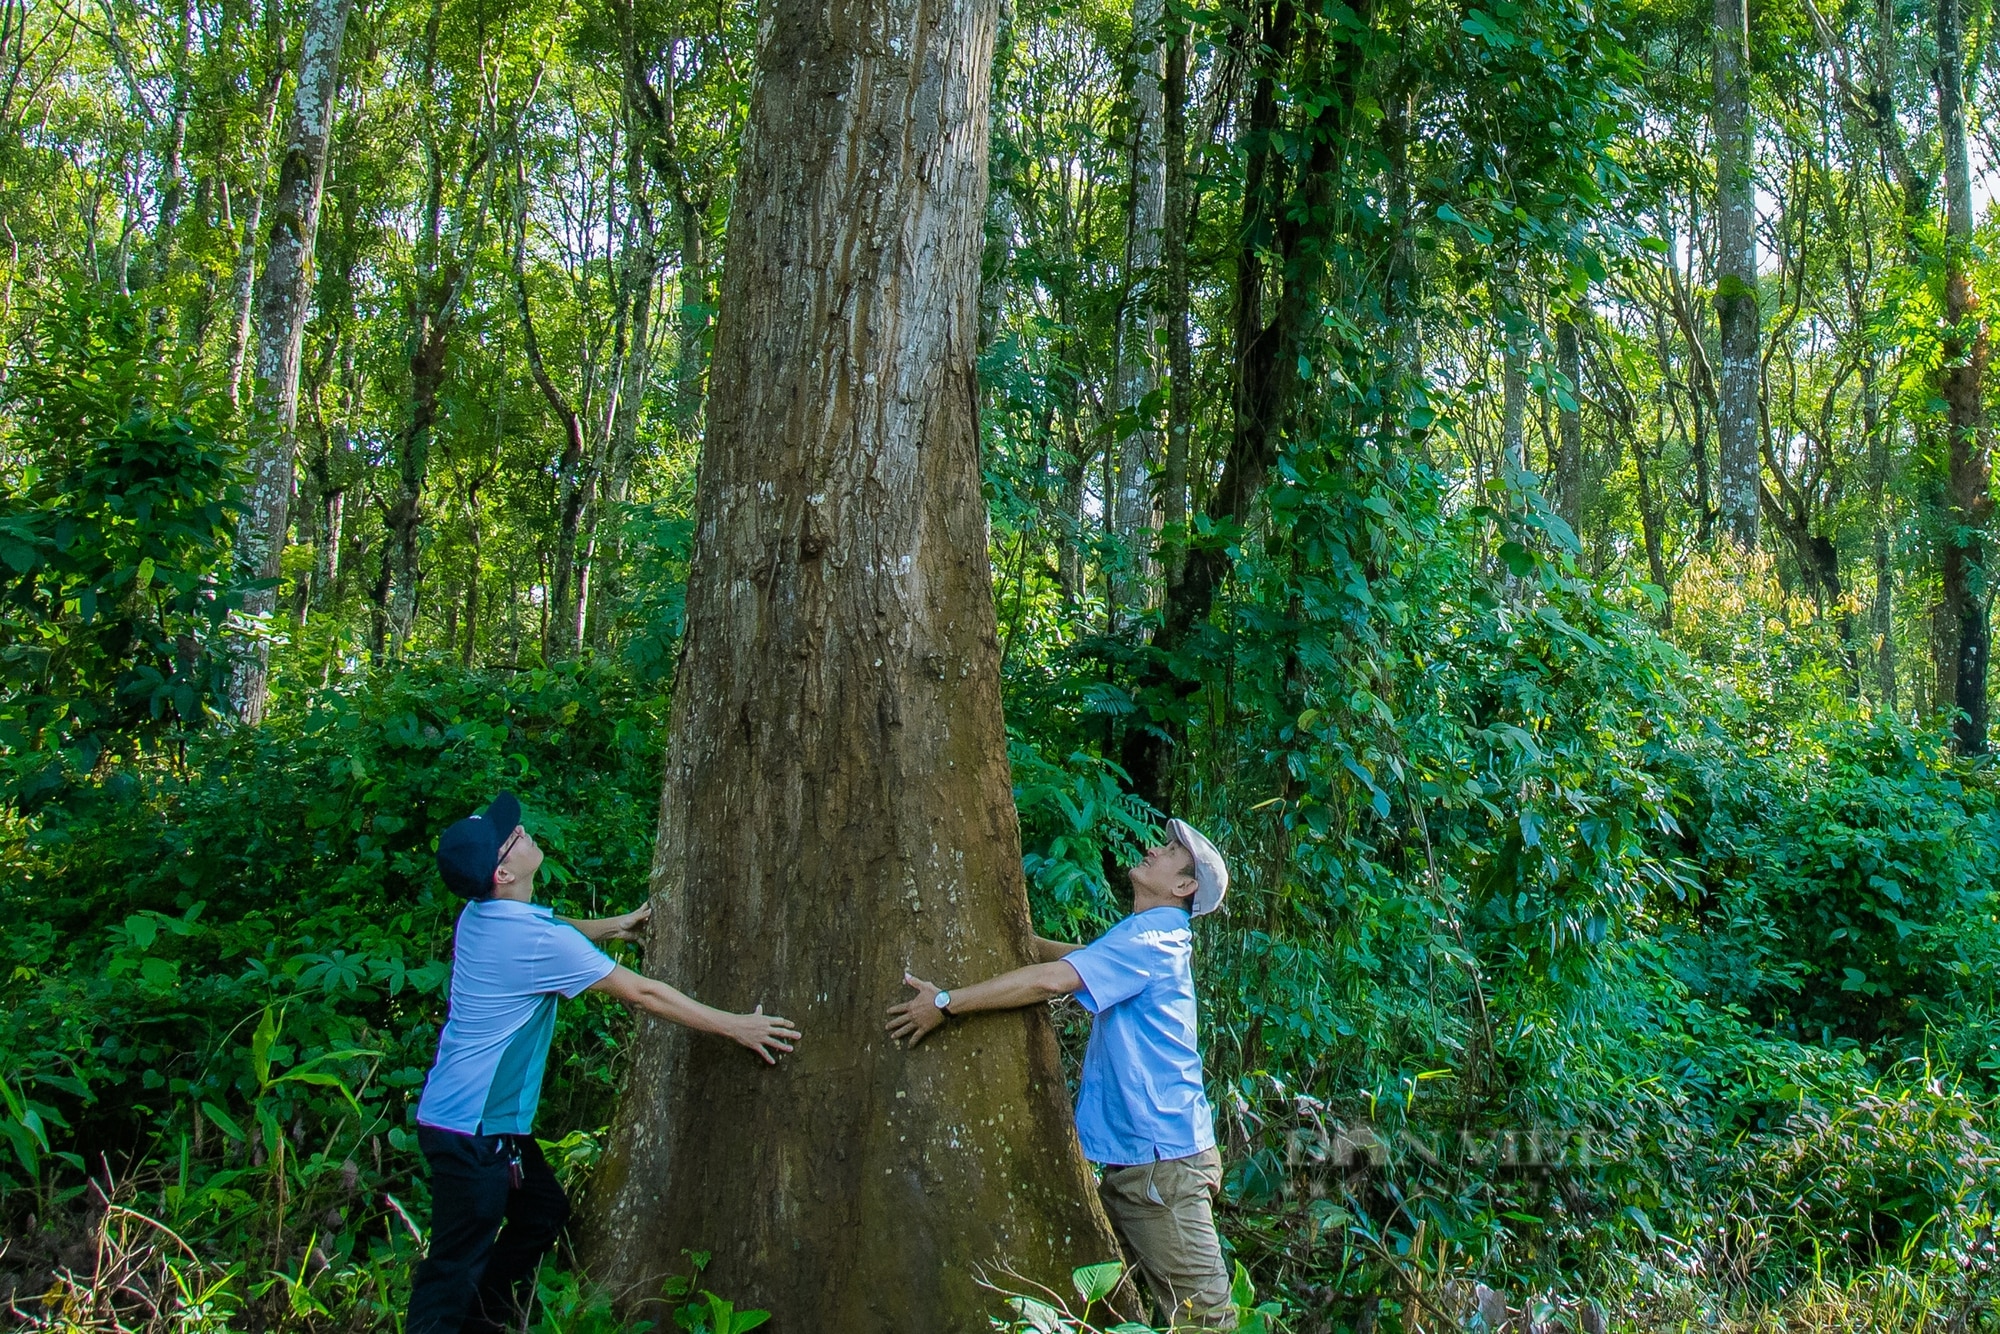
x=231, y=973
x=115, y=564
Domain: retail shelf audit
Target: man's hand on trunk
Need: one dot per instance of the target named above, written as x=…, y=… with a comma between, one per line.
x=918, y=1017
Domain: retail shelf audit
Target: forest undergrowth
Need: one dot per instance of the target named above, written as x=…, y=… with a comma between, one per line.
x=1567, y=980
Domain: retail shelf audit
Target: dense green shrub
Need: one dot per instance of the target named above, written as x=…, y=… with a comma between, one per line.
x=116, y=573
x=1554, y=948
x=217, y=958
x=1556, y=954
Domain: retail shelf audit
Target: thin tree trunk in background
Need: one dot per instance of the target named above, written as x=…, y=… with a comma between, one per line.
x=1968, y=484
x=475, y=529
x=403, y=515
x=656, y=107
x=334, y=511
x=1650, y=524
x=623, y=450
x=573, y=478
x=1069, y=501
x=837, y=802
x=997, y=255
x=1513, y=386
x=243, y=283
x=1400, y=298
x=453, y=226
x=691, y=357
x=472, y=583
x=332, y=488
x=1881, y=617
x=281, y=321
x=1569, y=421
x=1702, y=397
x=378, y=603
x=636, y=370
x=1265, y=358
x=1738, y=418
x=173, y=171
x=1137, y=373
x=1174, y=274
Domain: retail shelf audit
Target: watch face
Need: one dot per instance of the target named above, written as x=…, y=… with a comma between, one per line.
x=943, y=999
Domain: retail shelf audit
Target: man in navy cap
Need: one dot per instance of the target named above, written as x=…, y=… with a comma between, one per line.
x=511, y=960
x=1141, y=1112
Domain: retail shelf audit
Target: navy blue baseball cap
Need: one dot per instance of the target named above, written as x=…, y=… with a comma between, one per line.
x=469, y=850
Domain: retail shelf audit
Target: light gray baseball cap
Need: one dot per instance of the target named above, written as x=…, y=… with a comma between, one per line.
x=1211, y=873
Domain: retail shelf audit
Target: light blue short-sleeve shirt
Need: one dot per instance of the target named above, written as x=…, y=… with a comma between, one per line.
x=1142, y=1099
x=511, y=961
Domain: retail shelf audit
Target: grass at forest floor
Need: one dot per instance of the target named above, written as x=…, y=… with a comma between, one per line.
x=137, y=1276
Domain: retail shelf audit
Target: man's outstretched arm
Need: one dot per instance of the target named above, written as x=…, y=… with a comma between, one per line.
x=760, y=1032
x=916, y=1018
x=626, y=926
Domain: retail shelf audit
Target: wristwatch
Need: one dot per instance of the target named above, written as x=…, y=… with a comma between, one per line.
x=944, y=1001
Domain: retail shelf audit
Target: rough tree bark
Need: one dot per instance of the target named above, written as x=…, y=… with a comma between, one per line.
x=1137, y=374
x=837, y=803
x=1968, y=484
x=281, y=322
x=1739, y=419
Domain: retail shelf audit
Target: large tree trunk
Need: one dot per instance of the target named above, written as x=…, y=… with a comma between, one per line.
x=1137, y=374
x=837, y=803
x=281, y=321
x=1739, y=418
x=1968, y=483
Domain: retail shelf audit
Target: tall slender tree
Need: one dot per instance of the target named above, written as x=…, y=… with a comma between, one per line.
x=281, y=323
x=1174, y=276
x=1969, y=474
x=1137, y=374
x=1739, y=421
x=1568, y=469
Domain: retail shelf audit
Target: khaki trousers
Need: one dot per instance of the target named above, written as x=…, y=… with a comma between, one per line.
x=1164, y=1216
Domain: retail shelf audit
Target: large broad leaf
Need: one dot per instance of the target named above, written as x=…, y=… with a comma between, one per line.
x=1037, y=1315
x=1242, y=1293
x=1095, y=1282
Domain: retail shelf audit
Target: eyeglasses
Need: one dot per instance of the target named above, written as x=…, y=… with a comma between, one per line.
x=520, y=832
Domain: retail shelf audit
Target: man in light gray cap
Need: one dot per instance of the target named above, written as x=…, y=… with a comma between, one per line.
x=1141, y=1111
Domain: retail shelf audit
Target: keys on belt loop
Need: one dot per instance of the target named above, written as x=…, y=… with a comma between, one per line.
x=513, y=1152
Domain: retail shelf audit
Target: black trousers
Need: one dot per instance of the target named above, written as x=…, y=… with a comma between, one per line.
x=480, y=1275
